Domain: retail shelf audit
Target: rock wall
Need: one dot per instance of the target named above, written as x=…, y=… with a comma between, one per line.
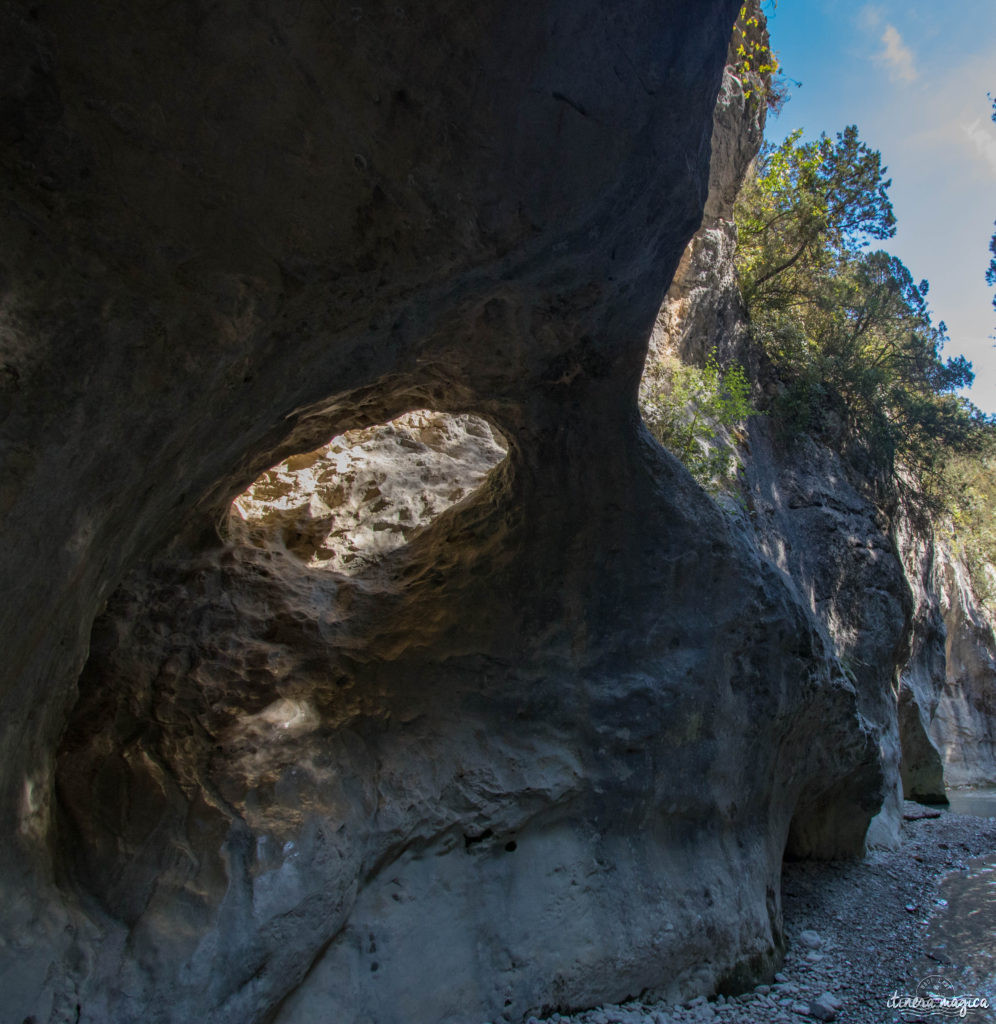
x=948, y=697
x=814, y=521
x=891, y=601
x=961, y=723
x=353, y=795
x=923, y=675
x=802, y=510
x=545, y=754
x=474, y=705
x=702, y=311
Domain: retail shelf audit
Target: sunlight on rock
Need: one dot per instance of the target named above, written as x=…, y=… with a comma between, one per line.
x=34, y=806
x=367, y=492
x=296, y=716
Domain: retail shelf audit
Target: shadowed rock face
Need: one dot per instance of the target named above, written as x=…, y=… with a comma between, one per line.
x=798, y=506
x=545, y=754
x=946, y=706
x=923, y=676
x=513, y=767
x=836, y=550
x=963, y=725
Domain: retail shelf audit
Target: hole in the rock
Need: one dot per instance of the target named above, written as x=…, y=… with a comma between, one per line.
x=470, y=841
x=367, y=492
x=511, y=846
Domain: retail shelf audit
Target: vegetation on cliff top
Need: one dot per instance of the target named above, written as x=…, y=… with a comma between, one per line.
x=756, y=64
x=854, y=357
x=853, y=348
x=972, y=521
x=849, y=333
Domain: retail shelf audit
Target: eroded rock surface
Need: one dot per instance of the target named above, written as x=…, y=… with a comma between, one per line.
x=440, y=816
x=948, y=697
x=703, y=311
x=527, y=726
x=963, y=726
x=550, y=754
x=924, y=674
x=836, y=548
x=800, y=509
x=367, y=492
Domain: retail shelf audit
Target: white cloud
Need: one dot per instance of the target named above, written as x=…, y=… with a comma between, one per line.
x=894, y=53
x=948, y=126
x=983, y=138
x=897, y=56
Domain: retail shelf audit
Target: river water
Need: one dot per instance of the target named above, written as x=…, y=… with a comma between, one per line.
x=980, y=802
x=962, y=933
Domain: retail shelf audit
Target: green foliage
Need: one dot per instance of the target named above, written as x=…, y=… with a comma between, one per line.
x=848, y=332
x=691, y=410
x=807, y=206
x=971, y=482
x=756, y=64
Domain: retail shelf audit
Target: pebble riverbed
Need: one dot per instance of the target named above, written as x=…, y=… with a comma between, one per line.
x=857, y=933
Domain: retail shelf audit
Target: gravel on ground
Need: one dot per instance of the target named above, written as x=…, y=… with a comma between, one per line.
x=857, y=933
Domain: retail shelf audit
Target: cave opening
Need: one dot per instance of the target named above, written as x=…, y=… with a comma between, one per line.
x=215, y=686
x=365, y=493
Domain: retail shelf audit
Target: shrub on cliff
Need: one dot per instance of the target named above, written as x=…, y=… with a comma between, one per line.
x=971, y=484
x=755, y=64
x=693, y=410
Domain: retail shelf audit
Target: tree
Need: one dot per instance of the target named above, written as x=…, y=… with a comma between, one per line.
x=972, y=486
x=849, y=332
x=808, y=205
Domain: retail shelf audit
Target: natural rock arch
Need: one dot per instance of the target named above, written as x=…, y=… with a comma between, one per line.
x=230, y=235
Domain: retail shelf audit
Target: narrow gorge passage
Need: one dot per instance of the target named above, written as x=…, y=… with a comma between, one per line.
x=368, y=659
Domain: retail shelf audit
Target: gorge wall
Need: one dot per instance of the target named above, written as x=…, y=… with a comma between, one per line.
x=887, y=591
x=799, y=507
x=231, y=235
x=475, y=705
x=948, y=699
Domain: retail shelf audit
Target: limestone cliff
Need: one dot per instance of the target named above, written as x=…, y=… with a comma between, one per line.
x=472, y=704
x=948, y=700
x=546, y=753
x=963, y=727
x=924, y=674
x=892, y=602
x=801, y=511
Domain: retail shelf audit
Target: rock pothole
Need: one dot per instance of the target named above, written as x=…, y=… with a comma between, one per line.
x=367, y=492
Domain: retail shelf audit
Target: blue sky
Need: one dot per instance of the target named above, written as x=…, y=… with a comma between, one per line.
x=913, y=76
